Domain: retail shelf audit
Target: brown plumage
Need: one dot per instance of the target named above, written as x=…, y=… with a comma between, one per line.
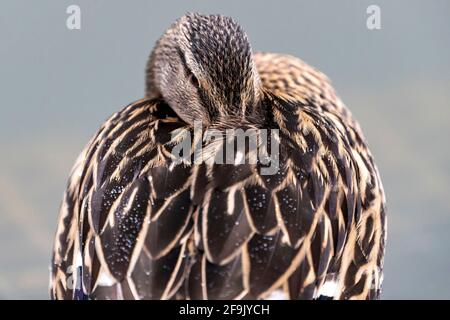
x=136, y=224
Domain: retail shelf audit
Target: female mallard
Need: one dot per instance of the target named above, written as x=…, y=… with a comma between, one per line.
x=138, y=223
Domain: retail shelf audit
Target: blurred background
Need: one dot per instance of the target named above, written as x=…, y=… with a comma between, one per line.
x=58, y=85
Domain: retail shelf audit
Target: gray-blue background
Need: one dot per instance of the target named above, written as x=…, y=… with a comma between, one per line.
x=57, y=86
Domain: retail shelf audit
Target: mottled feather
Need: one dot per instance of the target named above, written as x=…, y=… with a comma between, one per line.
x=135, y=223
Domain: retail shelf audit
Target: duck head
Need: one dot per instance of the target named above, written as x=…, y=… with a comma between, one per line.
x=203, y=68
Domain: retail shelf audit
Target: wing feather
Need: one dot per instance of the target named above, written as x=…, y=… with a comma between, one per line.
x=139, y=224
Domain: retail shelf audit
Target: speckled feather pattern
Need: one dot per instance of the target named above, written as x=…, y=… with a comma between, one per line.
x=141, y=226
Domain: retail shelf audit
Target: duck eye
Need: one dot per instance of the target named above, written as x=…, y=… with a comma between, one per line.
x=193, y=79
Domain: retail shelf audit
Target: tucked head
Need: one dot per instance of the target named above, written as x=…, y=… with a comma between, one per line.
x=203, y=67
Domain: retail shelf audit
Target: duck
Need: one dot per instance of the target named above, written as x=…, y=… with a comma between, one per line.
x=138, y=222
